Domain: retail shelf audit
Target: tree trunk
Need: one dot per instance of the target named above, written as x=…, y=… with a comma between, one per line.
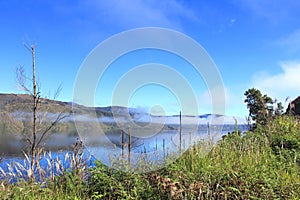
x=35, y=101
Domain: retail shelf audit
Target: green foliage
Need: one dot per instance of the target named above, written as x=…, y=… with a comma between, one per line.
x=70, y=184
x=239, y=167
x=66, y=186
x=106, y=183
x=260, y=106
x=279, y=109
x=283, y=134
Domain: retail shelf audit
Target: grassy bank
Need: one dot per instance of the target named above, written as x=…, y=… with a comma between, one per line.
x=263, y=164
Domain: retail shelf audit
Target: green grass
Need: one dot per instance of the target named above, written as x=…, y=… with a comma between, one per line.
x=263, y=164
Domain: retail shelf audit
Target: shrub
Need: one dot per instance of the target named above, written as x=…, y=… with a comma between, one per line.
x=283, y=134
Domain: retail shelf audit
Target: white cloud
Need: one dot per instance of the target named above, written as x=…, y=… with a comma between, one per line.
x=278, y=86
x=281, y=85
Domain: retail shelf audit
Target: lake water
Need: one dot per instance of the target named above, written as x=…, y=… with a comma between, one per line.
x=108, y=147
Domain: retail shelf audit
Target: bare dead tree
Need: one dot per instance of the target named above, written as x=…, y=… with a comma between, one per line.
x=34, y=141
x=35, y=102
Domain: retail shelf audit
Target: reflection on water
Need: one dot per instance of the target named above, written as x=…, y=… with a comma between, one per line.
x=158, y=147
x=14, y=145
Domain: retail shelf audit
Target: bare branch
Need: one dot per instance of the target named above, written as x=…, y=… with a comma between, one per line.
x=57, y=91
x=27, y=46
x=22, y=79
x=59, y=117
x=38, y=85
x=26, y=43
x=26, y=138
x=34, y=142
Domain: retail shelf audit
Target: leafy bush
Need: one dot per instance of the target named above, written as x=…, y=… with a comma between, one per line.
x=106, y=183
x=283, y=134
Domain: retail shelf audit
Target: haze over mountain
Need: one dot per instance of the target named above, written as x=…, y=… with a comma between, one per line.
x=19, y=104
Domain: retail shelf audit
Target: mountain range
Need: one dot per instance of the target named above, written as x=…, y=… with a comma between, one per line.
x=18, y=107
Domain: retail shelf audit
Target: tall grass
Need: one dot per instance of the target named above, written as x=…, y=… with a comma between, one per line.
x=263, y=164
x=239, y=167
x=60, y=178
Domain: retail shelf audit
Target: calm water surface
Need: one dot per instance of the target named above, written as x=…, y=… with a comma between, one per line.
x=108, y=147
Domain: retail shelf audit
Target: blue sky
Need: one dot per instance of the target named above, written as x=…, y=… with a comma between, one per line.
x=253, y=43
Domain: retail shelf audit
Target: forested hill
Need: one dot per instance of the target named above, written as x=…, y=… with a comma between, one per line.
x=11, y=103
x=14, y=102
